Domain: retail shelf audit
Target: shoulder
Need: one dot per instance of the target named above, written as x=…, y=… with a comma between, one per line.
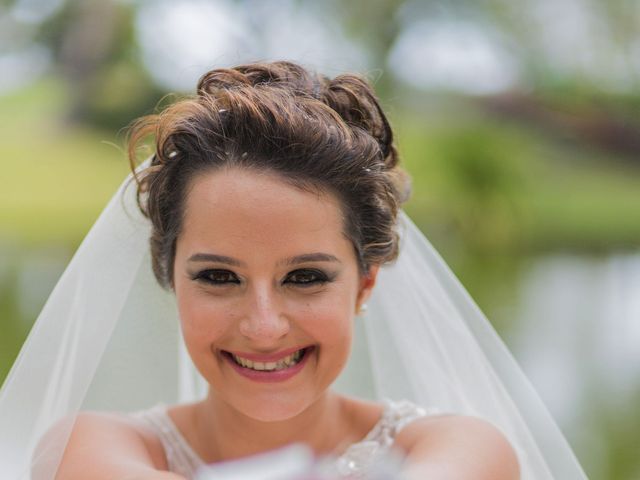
x=101, y=442
x=361, y=415
x=114, y=427
x=441, y=441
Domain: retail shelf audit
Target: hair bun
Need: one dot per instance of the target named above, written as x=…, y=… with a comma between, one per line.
x=348, y=95
x=220, y=79
x=285, y=74
x=353, y=98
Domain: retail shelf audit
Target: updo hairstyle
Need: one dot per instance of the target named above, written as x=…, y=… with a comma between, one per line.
x=316, y=133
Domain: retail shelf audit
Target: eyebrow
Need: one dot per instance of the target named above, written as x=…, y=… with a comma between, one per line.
x=305, y=258
x=212, y=257
x=311, y=257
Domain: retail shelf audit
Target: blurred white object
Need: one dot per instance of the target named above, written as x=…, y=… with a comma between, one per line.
x=290, y=463
x=295, y=462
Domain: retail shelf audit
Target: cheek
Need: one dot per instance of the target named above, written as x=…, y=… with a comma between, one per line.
x=328, y=318
x=202, y=320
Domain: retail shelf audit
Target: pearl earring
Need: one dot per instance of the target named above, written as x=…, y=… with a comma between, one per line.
x=362, y=309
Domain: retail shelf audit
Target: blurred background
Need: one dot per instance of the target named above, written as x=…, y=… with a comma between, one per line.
x=518, y=120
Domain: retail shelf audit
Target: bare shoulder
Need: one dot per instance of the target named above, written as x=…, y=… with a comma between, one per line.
x=361, y=414
x=102, y=445
x=459, y=446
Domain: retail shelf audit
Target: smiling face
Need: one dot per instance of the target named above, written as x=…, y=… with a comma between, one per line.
x=267, y=285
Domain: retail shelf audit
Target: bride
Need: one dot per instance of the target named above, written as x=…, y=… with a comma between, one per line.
x=271, y=208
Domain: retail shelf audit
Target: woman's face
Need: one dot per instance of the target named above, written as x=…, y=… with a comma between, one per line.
x=267, y=285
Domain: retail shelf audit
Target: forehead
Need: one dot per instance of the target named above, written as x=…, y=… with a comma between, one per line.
x=243, y=213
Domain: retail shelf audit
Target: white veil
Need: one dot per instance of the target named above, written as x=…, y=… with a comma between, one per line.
x=108, y=339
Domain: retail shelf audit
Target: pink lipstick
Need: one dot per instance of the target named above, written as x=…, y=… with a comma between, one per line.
x=277, y=367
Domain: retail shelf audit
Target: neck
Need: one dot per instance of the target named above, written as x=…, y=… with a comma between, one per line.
x=230, y=434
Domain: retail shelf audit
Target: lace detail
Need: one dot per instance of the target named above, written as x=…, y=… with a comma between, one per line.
x=181, y=458
x=360, y=456
x=354, y=462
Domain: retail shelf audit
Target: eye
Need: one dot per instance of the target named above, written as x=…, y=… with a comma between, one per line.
x=306, y=278
x=217, y=277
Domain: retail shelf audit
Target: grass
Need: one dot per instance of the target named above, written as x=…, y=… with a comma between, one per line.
x=55, y=178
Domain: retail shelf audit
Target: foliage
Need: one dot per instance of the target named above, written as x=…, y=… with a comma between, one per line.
x=56, y=178
x=482, y=184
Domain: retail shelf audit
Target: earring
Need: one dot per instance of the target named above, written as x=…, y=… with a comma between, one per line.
x=362, y=309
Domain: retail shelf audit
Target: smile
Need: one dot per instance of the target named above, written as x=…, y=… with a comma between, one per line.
x=269, y=368
x=286, y=362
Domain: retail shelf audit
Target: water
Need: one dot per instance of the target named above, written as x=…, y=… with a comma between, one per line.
x=573, y=323
x=577, y=336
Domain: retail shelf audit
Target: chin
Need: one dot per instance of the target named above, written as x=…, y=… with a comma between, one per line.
x=273, y=408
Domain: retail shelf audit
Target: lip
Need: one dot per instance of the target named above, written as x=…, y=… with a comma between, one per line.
x=270, y=357
x=274, y=376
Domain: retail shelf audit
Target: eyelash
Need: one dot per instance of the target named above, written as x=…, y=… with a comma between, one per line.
x=209, y=277
x=317, y=277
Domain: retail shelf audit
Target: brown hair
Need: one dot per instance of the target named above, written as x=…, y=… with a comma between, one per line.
x=316, y=133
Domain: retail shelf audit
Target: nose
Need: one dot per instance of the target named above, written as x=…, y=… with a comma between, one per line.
x=264, y=321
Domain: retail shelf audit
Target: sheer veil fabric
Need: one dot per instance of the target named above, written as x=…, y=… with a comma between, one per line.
x=108, y=339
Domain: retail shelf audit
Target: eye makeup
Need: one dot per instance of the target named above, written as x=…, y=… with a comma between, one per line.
x=216, y=276
x=302, y=277
x=307, y=277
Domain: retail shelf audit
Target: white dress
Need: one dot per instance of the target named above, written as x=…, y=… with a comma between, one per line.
x=183, y=460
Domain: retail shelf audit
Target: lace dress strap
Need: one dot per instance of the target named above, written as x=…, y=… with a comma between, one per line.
x=360, y=456
x=181, y=458
x=396, y=415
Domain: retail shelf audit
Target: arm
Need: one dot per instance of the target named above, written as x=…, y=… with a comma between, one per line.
x=456, y=448
x=107, y=447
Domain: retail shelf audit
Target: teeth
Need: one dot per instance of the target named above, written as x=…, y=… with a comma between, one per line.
x=281, y=364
